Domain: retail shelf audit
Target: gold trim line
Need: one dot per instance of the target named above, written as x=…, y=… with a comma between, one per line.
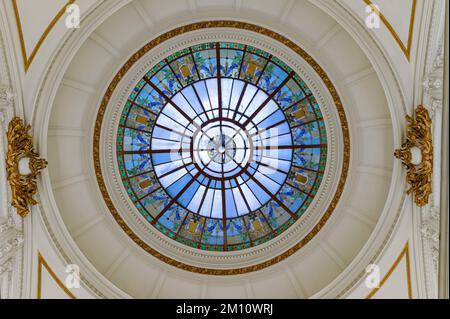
x=28, y=60
x=406, y=49
x=43, y=262
x=403, y=253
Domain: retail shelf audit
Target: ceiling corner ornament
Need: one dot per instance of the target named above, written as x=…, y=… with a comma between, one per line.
x=416, y=154
x=23, y=165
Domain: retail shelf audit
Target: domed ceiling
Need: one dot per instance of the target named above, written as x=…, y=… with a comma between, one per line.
x=221, y=146
x=224, y=149
x=217, y=155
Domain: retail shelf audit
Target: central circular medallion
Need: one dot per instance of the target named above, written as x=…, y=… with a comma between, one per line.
x=221, y=144
x=221, y=149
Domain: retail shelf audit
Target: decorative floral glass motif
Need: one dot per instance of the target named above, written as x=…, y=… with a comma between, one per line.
x=221, y=146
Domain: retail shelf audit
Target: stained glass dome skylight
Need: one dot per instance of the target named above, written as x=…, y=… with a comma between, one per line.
x=221, y=146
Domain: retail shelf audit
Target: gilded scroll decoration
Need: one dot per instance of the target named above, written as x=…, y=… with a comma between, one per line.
x=416, y=154
x=23, y=165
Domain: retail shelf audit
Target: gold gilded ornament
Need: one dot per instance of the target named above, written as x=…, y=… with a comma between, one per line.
x=23, y=165
x=416, y=154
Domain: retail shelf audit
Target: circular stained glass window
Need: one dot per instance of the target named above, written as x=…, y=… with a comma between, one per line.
x=221, y=146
